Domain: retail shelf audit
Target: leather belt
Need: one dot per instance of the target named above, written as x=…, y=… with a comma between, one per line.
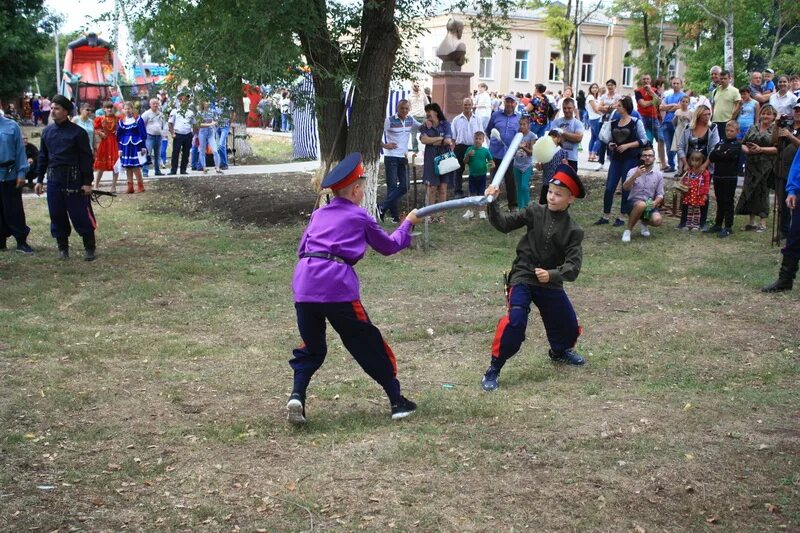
x=324, y=255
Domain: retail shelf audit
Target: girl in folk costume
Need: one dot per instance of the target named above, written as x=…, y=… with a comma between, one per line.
x=131, y=136
x=697, y=180
x=105, y=130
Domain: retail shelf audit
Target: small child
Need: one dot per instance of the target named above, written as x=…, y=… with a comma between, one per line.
x=698, y=182
x=523, y=162
x=681, y=119
x=547, y=255
x=725, y=157
x=325, y=287
x=549, y=168
x=480, y=162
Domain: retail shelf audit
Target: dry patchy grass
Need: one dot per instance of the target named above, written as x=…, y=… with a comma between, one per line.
x=146, y=391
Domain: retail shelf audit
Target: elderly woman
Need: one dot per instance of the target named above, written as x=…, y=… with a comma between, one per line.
x=624, y=146
x=760, y=153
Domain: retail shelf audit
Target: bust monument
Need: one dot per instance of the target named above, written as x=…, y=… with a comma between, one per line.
x=452, y=50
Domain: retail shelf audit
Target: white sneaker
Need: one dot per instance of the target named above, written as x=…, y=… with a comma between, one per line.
x=468, y=215
x=645, y=230
x=626, y=236
x=599, y=168
x=482, y=214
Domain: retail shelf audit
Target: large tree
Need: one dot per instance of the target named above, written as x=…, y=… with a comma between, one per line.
x=350, y=46
x=645, y=33
x=21, y=39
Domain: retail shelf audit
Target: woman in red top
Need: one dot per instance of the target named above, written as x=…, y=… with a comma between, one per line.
x=105, y=129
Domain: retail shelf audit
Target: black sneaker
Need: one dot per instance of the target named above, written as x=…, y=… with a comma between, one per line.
x=403, y=408
x=601, y=221
x=24, y=248
x=725, y=232
x=618, y=222
x=63, y=254
x=570, y=357
x=381, y=212
x=712, y=229
x=89, y=255
x=296, y=409
x=490, y=381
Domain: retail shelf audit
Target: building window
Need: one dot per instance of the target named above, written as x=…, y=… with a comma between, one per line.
x=672, y=69
x=486, y=67
x=587, y=68
x=627, y=70
x=555, y=70
x=521, y=66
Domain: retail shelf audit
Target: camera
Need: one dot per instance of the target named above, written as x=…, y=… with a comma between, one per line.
x=786, y=122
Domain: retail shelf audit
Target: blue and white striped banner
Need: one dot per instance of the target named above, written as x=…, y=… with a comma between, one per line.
x=304, y=134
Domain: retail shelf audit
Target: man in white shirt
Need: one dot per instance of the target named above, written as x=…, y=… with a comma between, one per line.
x=464, y=127
x=483, y=104
x=396, y=131
x=153, y=120
x=181, y=125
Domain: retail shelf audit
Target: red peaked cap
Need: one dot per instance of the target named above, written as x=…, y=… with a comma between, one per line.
x=346, y=172
x=567, y=177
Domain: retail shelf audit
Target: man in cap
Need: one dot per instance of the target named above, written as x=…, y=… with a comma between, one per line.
x=65, y=157
x=13, y=167
x=326, y=288
x=181, y=126
x=547, y=255
x=506, y=122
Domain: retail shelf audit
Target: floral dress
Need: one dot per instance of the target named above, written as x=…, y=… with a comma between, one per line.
x=754, y=199
x=131, y=135
x=107, y=149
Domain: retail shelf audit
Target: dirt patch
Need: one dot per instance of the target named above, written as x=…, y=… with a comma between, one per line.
x=258, y=200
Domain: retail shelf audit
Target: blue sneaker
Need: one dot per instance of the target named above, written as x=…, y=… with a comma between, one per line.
x=296, y=409
x=490, y=381
x=618, y=222
x=570, y=357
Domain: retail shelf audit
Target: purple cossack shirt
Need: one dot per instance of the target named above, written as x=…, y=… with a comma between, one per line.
x=343, y=229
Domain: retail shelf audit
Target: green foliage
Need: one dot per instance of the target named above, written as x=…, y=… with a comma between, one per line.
x=47, y=56
x=788, y=60
x=20, y=22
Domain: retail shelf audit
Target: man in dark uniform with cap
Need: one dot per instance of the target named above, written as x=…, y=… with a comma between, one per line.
x=326, y=288
x=549, y=254
x=13, y=166
x=65, y=157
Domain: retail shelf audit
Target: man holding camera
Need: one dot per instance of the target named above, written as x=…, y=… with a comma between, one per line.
x=645, y=186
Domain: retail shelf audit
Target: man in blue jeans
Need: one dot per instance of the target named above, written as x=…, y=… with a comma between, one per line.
x=669, y=105
x=396, y=130
x=153, y=120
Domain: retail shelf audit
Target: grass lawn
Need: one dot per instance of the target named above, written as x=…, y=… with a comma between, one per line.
x=269, y=150
x=147, y=391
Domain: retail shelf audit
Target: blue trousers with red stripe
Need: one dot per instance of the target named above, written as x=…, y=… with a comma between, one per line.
x=361, y=338
x=68, y=206
x=558, y=316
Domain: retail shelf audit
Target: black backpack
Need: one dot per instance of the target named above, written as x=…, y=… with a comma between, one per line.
x=552, y=109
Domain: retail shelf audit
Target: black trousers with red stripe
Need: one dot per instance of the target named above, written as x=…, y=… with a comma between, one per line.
x=361, y=338
x=558, y=316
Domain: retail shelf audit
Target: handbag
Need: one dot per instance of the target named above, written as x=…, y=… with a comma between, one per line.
x=445, y=163
x=605, y=132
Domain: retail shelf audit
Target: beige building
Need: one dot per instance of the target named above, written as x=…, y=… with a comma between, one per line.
x=532, y=57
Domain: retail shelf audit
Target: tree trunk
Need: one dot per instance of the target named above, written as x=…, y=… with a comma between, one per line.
x=728, y=43
x=379, y=40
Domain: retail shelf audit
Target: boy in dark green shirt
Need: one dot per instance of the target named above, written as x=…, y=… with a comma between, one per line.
x=479, y=161
x=549, y=254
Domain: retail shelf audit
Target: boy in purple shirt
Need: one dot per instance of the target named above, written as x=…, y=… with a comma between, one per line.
x=325, y=287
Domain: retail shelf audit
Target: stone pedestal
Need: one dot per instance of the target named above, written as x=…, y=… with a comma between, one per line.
x=449, y=90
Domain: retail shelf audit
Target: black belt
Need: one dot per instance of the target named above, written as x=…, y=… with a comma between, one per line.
x=8, y=164
x=325, y=255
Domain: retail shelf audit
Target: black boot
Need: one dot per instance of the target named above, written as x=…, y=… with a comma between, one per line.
x=785, y=276
x=63, y=248
x=90, y=246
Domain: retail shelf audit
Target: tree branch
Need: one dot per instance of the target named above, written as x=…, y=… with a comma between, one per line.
x=591, y=12
x=710, y=14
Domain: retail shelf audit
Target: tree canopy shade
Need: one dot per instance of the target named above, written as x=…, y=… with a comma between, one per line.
x=20, y=44
x=357, y=45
